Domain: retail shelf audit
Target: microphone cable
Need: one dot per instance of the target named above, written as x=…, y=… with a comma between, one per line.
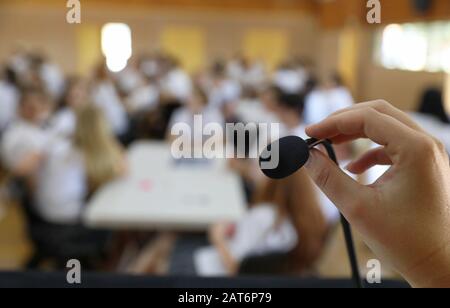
x=356, y=276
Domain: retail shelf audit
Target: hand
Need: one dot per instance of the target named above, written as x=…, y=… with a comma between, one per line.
x=218, y=232
x=29, y=165
x=405, y=216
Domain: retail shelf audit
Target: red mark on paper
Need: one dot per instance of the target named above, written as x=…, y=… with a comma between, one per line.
x=146, y=185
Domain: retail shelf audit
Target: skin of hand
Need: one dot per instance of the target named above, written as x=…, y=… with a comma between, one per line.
x=29, y=165
x=405, y=216
x=218, y=237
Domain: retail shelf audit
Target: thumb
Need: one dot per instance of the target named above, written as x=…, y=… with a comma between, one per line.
x=340, y=188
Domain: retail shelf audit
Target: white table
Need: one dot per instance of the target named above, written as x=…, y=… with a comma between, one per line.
x=158, y=194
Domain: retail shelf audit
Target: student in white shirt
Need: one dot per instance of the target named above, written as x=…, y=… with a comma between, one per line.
x=63, y=122
x=144, y=97
x=105, y=96
x=224, y=93
x=25, y=142
x=290, y=79
x=322, y=102
x=9, y=98
x=285, y=219
x=176, y=83
x=197, y=105
x=73, y=171
x=432, y=116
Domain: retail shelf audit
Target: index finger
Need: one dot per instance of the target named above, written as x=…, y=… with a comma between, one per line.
x=382, y=129
x=386, y=108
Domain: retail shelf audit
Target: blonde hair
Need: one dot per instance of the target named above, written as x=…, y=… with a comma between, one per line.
x=102, y=154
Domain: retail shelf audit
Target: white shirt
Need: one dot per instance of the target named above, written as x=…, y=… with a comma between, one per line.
x=226, y=92
x=53, y=79
x=437, y=129
x=106, y=98
x=63, y=124
x=61, y=186
x=184, y=115
x=20, y=140
x=290, y=81
x=256, y=234
x=322, y=103
x=178, y=83
x=129, y=79
x=143, y=98
x=9, y=100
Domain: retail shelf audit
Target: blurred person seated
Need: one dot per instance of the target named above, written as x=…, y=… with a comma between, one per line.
x=197, y=105
x=290, y=78
x=432, y=116
x=106, y=97
x=286, y=219
x=9, y=98
x=251, y=75
x=25, y=141
x=130, y=78
x=323, y=101
x=175, y=83
x=75, y=169
x=49, y=74
x=63, y=121
x=224, y=93
x=144, y=97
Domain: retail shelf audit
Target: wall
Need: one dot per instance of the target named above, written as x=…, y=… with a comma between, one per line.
x=45, y=28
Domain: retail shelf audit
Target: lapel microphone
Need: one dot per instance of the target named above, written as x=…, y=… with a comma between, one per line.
x=293, y=153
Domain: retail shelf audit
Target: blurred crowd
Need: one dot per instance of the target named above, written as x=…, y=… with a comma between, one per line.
x=64, y=137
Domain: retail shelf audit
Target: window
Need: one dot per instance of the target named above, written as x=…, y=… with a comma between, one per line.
x=116, y=45
x=415, y=47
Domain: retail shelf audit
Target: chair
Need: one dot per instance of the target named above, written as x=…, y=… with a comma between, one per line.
x=60, y=243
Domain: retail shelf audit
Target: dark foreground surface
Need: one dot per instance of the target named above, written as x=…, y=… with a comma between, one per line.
x=95, y=280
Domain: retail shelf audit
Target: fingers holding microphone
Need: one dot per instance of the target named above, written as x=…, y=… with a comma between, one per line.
x=413, y=197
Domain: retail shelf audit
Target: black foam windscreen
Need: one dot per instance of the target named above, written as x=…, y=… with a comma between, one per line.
x=293, y=153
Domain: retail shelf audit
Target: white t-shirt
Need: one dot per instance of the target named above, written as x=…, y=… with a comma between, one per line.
x=106, y=98
x=61, y=186
x=129, y=79
x=178, y=83
x=290, y=81
x=22, y=139
x=227, y=92
x=255, y=235
x=184, y=115
x=53, y=79
x=322, y=103
x=143, y=98
x=9, y=100
x=63, y=124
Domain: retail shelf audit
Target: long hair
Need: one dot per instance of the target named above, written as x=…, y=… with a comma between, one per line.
x=295, y=198
x=101, y=152
x=432, y=104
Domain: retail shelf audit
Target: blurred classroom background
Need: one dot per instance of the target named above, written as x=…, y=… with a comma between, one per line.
x=86, y=112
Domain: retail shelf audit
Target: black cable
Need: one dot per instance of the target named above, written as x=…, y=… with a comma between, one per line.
x=345, y=225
